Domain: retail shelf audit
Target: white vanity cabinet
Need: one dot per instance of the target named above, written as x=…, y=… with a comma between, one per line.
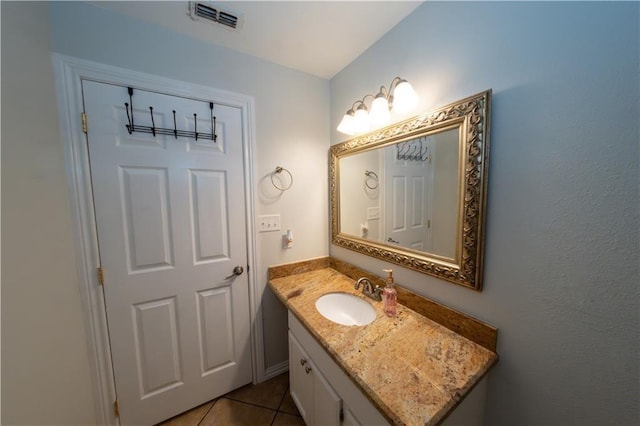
x=322, y=392
x=316, y=400
x=325, y=395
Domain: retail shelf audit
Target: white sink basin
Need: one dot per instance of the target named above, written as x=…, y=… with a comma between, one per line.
x=345, y=309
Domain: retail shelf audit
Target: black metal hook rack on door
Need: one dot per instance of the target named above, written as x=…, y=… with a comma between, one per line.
x=131, y=127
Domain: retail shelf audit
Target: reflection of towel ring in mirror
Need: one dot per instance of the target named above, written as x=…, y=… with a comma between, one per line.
x=371, y=176
x=280, y=170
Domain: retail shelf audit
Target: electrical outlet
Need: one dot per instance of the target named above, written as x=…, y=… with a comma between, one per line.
x=268, y=222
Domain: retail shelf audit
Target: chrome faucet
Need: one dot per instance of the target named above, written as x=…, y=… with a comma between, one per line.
x=368, y=290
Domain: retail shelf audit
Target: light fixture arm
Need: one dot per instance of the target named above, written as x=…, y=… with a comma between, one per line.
x=353, y=108
x=388, y=94
x=395, y=82
x=380, y=108
x=367, y=96
x=361, y=103
x=384, y=92
x=392, y=86
x=358, y=104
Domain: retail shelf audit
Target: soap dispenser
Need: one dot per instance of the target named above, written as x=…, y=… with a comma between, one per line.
x=390, y=296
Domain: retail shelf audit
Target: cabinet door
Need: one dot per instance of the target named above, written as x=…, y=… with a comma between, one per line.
x=349, y=420
x=326, y=402
x=300, y=381
x=358, y=409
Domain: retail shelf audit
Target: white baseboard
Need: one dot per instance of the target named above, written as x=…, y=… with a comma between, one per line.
x=276, y=370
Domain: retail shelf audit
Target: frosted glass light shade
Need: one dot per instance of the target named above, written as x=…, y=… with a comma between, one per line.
x=405, y=99
x=380, y=111
x=347, y=125
x=361, y=121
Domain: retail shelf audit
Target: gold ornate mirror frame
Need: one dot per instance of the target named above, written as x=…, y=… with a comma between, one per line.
x=473, y=116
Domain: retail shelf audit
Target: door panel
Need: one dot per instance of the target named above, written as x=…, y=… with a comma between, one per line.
x=398, y=195
x=418, y=214
x=144, y=195
x=170, y=218
x=209, y=210
x=216, y=328
x=156, y=337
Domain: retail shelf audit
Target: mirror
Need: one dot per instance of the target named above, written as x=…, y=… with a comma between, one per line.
x=414, y=193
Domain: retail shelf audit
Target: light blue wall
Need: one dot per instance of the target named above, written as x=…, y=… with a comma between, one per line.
x=562, y=260
x=45, y=366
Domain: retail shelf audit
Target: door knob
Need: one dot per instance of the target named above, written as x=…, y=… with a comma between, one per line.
x=238, y=270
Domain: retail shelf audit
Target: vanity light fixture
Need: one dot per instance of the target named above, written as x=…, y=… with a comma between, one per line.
x=400, y=97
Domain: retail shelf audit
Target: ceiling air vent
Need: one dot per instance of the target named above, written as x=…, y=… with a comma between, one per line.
x=214, y=13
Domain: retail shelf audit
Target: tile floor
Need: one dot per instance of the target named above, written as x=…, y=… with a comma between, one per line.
x=267, y=403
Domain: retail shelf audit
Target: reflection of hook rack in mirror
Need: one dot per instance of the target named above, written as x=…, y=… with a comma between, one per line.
x=278, y=171
x=413, y=150
x=371, y=176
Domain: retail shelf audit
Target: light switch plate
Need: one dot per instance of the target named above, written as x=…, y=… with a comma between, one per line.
x=373, y=213
x=268, y=222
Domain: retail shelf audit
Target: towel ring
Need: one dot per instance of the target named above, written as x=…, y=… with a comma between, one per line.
x=371, y=176
x=280, y=170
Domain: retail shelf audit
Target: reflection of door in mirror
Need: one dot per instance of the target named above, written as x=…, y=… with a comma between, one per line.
x=420, y=196
x=407, y=194
x=411, y=199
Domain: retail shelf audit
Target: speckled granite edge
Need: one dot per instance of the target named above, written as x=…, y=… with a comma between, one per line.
x=432, y=367
x=473, y=329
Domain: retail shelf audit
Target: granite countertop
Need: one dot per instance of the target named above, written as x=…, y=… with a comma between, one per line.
x=413, y=369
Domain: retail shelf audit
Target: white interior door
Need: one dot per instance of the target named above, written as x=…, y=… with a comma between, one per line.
x=407, y=189
x=170, y=218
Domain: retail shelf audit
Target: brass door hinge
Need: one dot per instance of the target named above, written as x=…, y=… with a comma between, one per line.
x=100, y=275
x=84, y=122
x=116, y=409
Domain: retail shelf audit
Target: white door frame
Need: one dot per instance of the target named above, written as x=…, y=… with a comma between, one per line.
x=69, y=73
